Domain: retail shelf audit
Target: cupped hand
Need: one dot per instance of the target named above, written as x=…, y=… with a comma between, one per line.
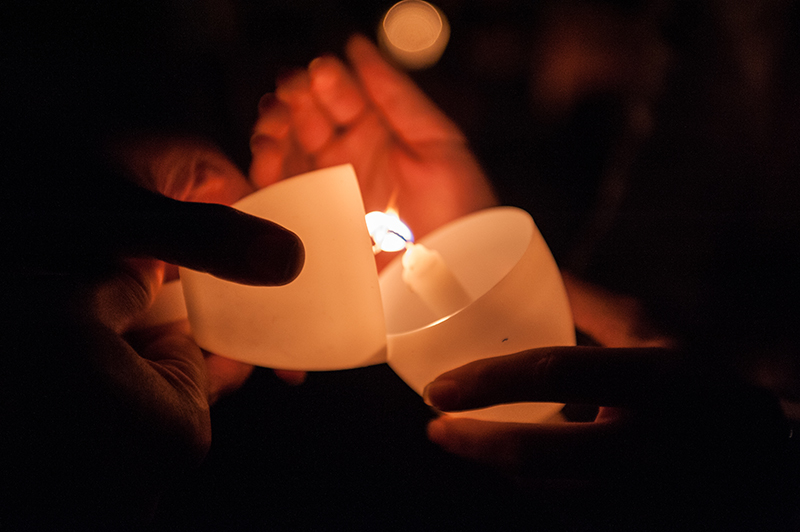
x=660, y=410
x=679, y=440
x=654, y=398
x=406, y=153
x=99, y=417
x=193, y=169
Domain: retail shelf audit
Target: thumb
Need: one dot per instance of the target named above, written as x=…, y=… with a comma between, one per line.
x=134, y=222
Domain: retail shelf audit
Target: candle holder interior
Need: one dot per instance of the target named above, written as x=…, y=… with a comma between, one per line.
x=519, y=302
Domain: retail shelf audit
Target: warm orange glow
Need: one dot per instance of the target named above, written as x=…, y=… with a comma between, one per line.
x=388, y=232
x=414, y=33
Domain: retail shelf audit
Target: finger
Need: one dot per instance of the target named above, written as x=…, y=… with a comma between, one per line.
x=291, y=377
x=582, y=375
x=164, y=379
x=270, y=143
x=611, y=319
x=182, y=167
x=549, y=450
x=274, y=117
x=311, y=127
x=336, y=90
x=412, y=116
x=138, y=223
x=268, y=157
x=123, y=297
x=218, y=240
x=366, y=139
x=225, y=375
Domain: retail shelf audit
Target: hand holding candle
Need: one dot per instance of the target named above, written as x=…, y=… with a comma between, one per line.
x=126, y=410
x=508, y=291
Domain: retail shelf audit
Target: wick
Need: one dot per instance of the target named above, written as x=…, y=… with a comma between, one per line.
x=376, y=248
x=401, y=237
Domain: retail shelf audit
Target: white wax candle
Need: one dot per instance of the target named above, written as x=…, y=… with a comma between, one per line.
x=427, y=275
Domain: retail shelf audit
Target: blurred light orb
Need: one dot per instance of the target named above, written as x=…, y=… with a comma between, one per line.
x=414, y=34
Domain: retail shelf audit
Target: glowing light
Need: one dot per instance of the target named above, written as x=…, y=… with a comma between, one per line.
x=427, y=275
x=388, y=232
x=424, y=270
x=414, y=33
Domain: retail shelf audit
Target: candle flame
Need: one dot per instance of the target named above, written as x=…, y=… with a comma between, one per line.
x=388, y=232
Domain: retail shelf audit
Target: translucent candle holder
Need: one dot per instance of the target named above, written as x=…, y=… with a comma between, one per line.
x=340, y=314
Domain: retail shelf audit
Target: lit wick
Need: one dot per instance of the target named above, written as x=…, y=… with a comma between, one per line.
x=424, y=270
x=388, y=232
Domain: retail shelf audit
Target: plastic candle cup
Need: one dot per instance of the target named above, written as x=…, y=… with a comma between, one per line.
x=340, y=314
x=330, y=316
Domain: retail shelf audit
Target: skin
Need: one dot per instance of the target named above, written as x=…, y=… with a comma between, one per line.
x=655, y=400
x=366, y=113
x=112, y=410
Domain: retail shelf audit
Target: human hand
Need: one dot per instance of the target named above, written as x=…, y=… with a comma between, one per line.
x=671, y=440
x=192, y=169
x=406, y=153
x=611, y=319
x=110, y=414
x=674, y=433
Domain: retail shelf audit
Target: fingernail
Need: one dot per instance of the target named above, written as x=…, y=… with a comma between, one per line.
x=444, y=395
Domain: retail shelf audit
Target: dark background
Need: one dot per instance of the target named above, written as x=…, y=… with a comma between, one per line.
x=675, y=217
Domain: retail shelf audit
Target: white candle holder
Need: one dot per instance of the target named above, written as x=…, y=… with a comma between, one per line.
x=340, y=314
x=330, y=316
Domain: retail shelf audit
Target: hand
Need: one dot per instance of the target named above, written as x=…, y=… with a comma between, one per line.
x=96, y=417
x=192, y=169
x=610, y=319
x=405, y=151
x=673, y=430
x=670, y=443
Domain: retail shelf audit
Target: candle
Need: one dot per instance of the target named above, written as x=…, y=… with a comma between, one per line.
x=425, y=272
x=427, y=275
x=339, y=313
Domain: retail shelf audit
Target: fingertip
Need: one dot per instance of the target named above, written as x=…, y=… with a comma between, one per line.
x=437, y=431
x=225, y=375
x=292, y=378
x=233, y=245
x=324, y=73
x=266, y=166
x=266, y=103
x=292, y=84
x=442, y=394
x=274, y=119
x=323, y=64
x=358, y=45
x=336, y=90
x=276, y=257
